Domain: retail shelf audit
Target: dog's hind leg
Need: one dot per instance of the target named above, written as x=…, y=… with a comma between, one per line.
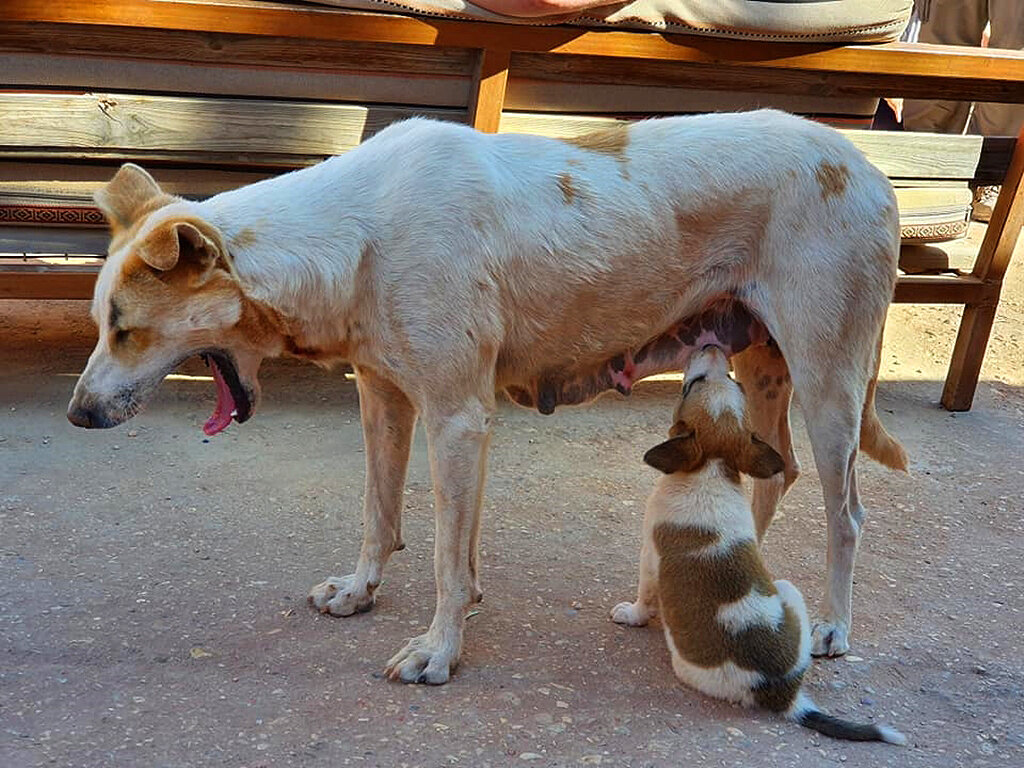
x=389, y=420
x=831, y=403
x=764, y=375
x=457, y=436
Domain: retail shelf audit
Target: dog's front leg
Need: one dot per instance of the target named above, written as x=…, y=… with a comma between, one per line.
x=457, y=439
x=388, y=423
x=637, y=614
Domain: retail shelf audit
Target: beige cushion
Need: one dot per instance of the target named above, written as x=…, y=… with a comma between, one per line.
x=781, y=20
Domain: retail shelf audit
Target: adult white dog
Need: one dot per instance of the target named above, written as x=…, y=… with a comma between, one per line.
x=446, y=265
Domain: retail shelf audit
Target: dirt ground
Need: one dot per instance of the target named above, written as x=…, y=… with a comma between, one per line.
x=153, y=582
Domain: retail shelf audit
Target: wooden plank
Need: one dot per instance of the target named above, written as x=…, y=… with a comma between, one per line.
x=241, y=131
x=282, y=133
x=939, y=289
x=895, y=153
x=528, y=95
x=78, y=181
x=33, y=70
x=728, y=72
x=220, y=47
x=487, y=90
x=62, y=240
x=59, y=283
x=887, y=69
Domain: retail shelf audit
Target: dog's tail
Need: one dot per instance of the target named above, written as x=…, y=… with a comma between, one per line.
x=874, y=440
x=805, y=713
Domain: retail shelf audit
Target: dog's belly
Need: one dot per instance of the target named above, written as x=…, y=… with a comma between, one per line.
x=727, y=323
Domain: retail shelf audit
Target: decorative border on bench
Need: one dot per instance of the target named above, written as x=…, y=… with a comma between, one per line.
x=933, y=233
x=53, y=215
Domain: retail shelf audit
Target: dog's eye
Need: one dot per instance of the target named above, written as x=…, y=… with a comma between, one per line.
x=121, y=335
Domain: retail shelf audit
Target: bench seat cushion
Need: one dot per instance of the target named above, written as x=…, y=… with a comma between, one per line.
x=831, y=21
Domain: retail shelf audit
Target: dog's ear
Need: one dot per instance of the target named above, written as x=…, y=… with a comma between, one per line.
x=125, y=195
x=175, y=241
x=758, y=459
x=677, y=454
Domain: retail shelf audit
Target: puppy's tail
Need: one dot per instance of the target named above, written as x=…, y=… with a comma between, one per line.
x=874, y=440
x=805, y=713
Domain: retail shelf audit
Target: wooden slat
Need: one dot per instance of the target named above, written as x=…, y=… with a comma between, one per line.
x=890, y=69
x=528, y=95
x=221, y=47
x=939, y=289
x=896, y=154
x=29, y=239
x=53, y=283
x=282, y=133
x=77, y=181
x=240, y=131
x=729, y=70
x=31, y=70
x=487, y=90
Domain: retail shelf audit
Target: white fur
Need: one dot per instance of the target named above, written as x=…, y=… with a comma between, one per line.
x=750, y=610
x=727, y=681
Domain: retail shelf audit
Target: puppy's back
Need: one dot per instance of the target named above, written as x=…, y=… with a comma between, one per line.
x=719, y=605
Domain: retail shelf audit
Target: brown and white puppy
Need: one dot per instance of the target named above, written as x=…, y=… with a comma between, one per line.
x=551, y=270
x=733, y=632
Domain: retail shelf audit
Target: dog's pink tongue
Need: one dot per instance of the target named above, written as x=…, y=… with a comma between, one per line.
x=225, y=403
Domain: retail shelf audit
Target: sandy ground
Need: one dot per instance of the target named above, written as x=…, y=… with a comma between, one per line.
x=153, y=583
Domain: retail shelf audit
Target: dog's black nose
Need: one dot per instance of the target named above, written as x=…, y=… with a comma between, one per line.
x=83, y=417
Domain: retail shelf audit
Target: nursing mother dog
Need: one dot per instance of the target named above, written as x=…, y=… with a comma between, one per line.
x=448, y=265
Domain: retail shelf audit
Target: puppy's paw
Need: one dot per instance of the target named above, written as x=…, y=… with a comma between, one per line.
x=631, y=614
x=341, y=596
x=830, y=638
x=424, y=659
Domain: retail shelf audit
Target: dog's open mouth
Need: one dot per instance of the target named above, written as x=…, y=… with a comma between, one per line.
x=233, y=401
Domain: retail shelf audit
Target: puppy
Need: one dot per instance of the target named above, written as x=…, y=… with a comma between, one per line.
x=732, y=631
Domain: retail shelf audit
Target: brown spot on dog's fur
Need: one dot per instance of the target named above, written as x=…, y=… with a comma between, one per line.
x=832, y=179
x=245, y=237
x=612, y=140
x=771, y=394
x=565, y=183
x=695, y=581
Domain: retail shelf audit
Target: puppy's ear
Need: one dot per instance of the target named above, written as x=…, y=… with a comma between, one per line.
x=758, y=459
x=125, y=195
x=175, y=241
x=677, y=454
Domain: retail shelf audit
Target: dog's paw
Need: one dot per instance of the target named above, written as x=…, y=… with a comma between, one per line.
x=830, y=638
x=630, y=614
x=424, y=659
x=341, y=596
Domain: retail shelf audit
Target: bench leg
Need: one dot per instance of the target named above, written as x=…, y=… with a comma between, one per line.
x=487, y=94
x=968, y=354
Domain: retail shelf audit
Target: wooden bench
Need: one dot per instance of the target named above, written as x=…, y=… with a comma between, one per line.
x=211, y=96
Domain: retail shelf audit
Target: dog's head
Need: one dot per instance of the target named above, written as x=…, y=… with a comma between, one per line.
x=710, y=423
x=167, y=291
